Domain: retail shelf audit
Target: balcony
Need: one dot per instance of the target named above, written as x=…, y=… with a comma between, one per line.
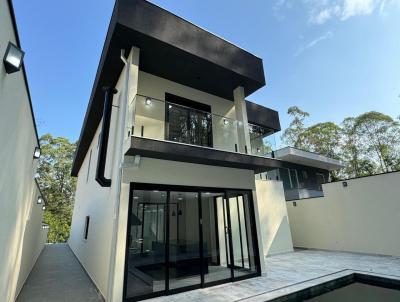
x=173, y=131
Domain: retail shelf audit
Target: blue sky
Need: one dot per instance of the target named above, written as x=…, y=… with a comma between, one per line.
x=332, y=58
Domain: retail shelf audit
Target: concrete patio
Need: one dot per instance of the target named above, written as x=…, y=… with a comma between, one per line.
x=291, y=272
x=58, y=276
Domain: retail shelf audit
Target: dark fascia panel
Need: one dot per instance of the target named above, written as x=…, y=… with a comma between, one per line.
x=259, y=115
x=171, y=48
x=205, y=156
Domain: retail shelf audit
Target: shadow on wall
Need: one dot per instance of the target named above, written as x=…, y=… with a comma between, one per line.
x=274, y=222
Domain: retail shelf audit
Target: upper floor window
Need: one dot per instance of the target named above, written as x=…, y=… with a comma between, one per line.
x=187, y=121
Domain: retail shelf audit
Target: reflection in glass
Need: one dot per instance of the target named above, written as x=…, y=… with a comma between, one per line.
x=215, y=237
x=146, y=256
x=184, y=241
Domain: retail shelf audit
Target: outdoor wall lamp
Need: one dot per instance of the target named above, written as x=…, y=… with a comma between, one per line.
x=44, y=207
x=45, y=226
x=36, y=153
x=40, y=200
x=13, y=58
x=148, y=101
x=226, y=122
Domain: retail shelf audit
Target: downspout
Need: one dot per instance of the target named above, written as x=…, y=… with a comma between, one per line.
x=105, y=130
x=119, y=146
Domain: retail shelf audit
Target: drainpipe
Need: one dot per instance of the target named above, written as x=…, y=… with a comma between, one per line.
x=111, y=295
x=105, y=130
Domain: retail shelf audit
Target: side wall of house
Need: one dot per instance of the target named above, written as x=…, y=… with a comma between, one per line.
x=274, y=223
x=17, y=185
x=362, y=217
x=34, y=239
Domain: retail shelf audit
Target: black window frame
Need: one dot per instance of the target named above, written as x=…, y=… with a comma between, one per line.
x=86, y=229
x=188, y=104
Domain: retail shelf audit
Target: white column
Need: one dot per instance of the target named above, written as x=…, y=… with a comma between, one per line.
x=241, y=117
x=121, y=191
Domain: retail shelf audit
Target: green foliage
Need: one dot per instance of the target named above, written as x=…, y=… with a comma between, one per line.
x=57, y=185
x=292, y=135
x=368, y=143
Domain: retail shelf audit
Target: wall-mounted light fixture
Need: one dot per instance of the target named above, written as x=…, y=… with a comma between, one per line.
x=344, y=184
x=40, y=200
x=36, y=153
x=148, y=101
x=44, y=207
x=226, y=122
x=45, y=226
x=13, y=58
x=258, y=150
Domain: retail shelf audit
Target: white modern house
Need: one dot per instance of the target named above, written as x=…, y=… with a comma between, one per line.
x=172, y=161
x=21, y=202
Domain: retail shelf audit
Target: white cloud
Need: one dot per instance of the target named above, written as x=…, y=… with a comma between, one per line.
x=321, y=11
x=353, y=8
x=313, y=43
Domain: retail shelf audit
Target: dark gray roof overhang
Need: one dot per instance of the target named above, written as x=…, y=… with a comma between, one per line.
x=263, y=116
x=172, y=48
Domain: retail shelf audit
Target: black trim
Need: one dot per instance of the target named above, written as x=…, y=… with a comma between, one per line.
x=263, y=116
x=168, y=150
x=328, y=286
x=365, y=176
x=105, y=131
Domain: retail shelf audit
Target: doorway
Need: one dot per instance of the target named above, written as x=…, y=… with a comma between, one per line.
x=182, y=238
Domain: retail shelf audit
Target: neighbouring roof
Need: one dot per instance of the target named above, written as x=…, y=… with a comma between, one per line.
x=171, y=48
x=305, y=158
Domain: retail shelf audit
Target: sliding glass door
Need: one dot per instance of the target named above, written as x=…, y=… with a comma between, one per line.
x=180, y=239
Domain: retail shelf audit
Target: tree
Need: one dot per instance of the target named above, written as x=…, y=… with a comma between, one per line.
x=357, y=163
x=57, y=184
x=292, y=135
x=379, y=137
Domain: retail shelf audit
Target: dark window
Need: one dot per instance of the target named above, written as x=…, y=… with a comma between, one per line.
x=188, y=122
x=85, y=234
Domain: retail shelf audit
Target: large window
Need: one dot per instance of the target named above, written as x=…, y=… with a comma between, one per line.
x=188, y=122
x=183, y=238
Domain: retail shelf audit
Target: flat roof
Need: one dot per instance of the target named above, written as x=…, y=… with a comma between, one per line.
x=310, y=159
x=171, y=48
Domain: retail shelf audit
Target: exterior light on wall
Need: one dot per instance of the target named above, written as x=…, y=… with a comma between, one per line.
x=45, y=226
x=258, y=150
x=148, y=101
x=169, y=106
x=13, y=58
x=226, y=122
x=44, y=207
x=344, y=184
x=36, y=153
x=40, y=200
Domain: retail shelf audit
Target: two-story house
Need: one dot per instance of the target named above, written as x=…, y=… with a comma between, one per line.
x=167, y=158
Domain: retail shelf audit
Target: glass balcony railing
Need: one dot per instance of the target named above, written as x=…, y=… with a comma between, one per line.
x=160, y=120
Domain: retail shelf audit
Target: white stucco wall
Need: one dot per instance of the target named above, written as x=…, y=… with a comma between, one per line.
x=274, y=224
x=34, y=239
x=17, y=185
x=362, y=217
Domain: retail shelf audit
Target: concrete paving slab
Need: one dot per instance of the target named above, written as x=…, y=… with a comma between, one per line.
x=58, y=277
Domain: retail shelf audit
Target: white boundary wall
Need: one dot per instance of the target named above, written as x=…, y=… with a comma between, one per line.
x=363, y=217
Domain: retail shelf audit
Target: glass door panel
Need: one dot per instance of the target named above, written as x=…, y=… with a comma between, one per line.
x=244, y=250
x=146, y=247
x=184, y=240
x=216, y=254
